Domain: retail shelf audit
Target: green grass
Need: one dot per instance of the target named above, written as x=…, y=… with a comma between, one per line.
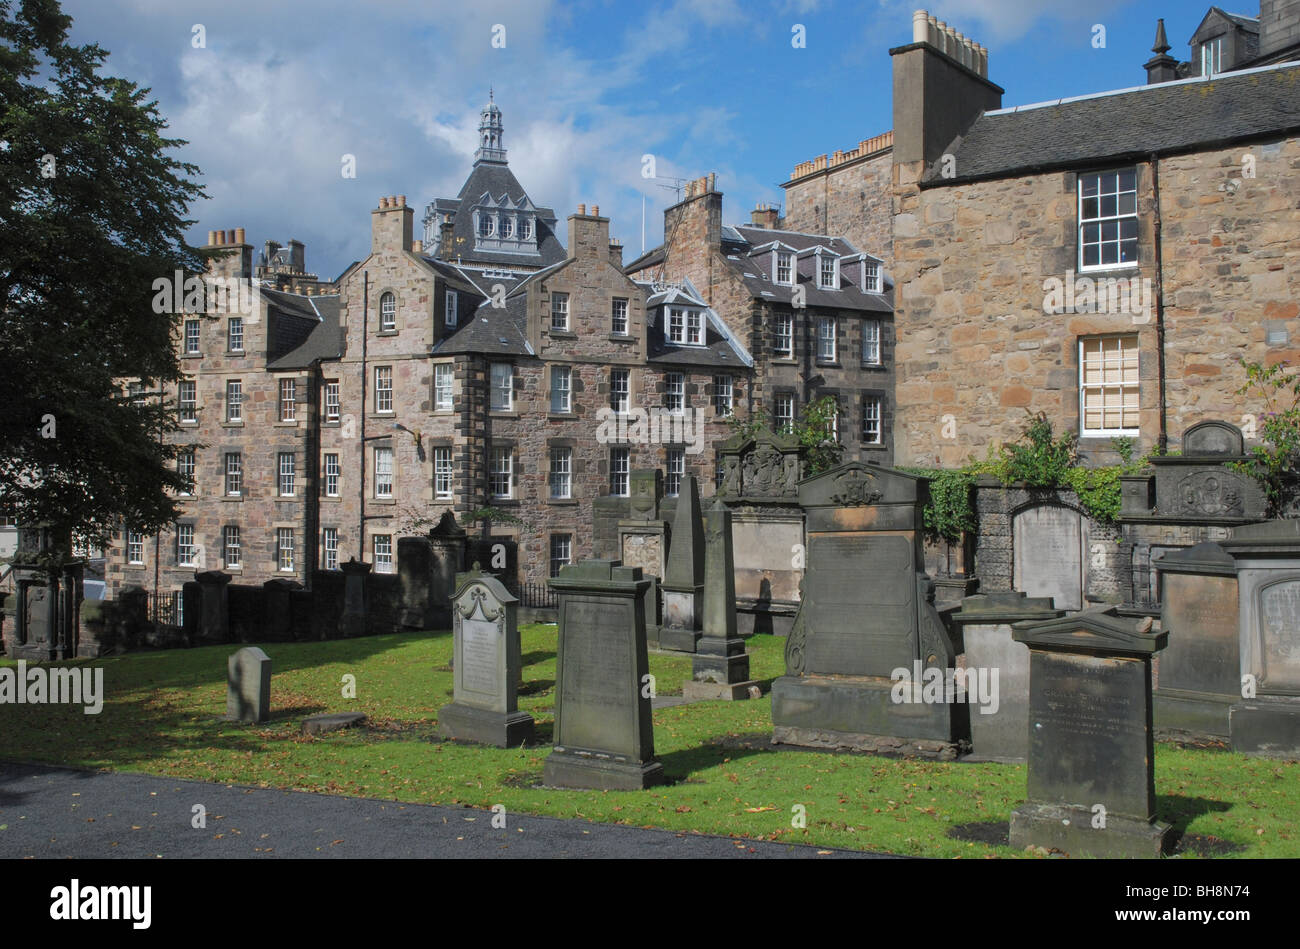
x=162, y=715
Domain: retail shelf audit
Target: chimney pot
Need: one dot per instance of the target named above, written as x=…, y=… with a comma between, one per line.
x=595, y=210
x=212, y=238
x=920, y=27
x=582, y=209
x=239, y=235
x=417, y=246
x=401, y=200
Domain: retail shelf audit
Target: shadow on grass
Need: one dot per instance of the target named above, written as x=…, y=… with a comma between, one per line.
x=682, y=764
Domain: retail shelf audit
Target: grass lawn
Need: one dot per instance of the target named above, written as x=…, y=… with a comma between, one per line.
x=162, y=715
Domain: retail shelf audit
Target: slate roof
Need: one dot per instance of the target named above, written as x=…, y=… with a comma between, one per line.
x=720, y=348
x=496, y=179
x=1127, y=125
x=304, y=329
x=494, y=331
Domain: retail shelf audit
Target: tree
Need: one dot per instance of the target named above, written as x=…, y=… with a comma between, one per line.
x=91, y=214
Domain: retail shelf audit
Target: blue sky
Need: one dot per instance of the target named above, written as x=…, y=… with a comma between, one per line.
x=284, y=88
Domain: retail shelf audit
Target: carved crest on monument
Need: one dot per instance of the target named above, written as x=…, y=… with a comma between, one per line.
x=764, y=467
x=855, y=487
x=1209, y=493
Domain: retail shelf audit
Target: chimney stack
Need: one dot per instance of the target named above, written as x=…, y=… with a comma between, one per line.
x=446, y=241
x=764, y=216
x=588, y=233
x=391, y=224
x=616, y=252
x=941, y=87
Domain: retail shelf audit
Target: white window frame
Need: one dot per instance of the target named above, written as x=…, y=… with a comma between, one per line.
x=526, y=229
x=508, y=391
x=383, y=471
x=332, y=474
x=674, y=471
x=784, y=421
x=561, y=479
x=286, y=474
x=285, y=549
x=723, y=403
x=620, y=389
x=381, y=546
x=333, y=404
x=784, y=334
x=135, y=547
x=186, y=463
x=330, y=545
x=234, y=400
x=230, y=541
x=559, y=308
x=823, y=260
x=186, y=549
x=620, y=472
x=1212, y=56
x=449, y=307
x=384, y=392
x=387, y=311
x=1123, y=339
x=675, y=392
x=193, y=337
x=826, y=342
x=486, y=224
x=234, y=471
x=288, y=400
x=502, y=463
x=561, y=390
x=235, y=340
x=1101, y=220
x=871, y=276
x=188, y=407
x=507, y=227
x=871, y=342
x=618, y=316
x=444, y=387
x=873, y=416
x=443, y=473
x=561, y=552
x=783, y=260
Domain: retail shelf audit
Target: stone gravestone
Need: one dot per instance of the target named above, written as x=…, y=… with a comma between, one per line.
x=683, y=586
x=643, y=539
x=1047, y=550
x=248, y=686
x=1091, y=785
x=604, y=735
x=867, y=622
x=448, y=541
x=355, y=600
x=1199, y=674
x=720, y=667
x=487, y=666
x=999, y=725
x=214, y=606
x=1265, y=720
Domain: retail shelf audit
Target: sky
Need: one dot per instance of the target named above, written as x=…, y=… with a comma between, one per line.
x=271, y=95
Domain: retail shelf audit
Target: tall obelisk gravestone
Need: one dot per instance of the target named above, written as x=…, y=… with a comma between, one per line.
x=684, y=574
x=720, y=667
x=604, y=735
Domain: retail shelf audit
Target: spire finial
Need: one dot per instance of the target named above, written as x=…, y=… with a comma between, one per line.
x=1162, y=42
x=490, y=88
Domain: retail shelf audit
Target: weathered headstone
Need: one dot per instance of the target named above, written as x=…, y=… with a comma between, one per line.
x=487, y=666
x=1091, y=776
x=1199, y=674
x=1265, y=720
x=1047, y=546
x=448, y=541
x=683, y=585
x=867, y=622
x=643, y=540
x=997, y=671
x=604, y=734
x=248, y=686
x=720, y=667
x=331, y=722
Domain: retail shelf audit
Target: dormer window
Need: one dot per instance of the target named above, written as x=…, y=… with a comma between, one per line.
x=507, y=227
x=1212, y=56
x=871, y=276
x=784, y=268
x=684, y=326
x=828, y=273
x=486, y=225
x=526, y=229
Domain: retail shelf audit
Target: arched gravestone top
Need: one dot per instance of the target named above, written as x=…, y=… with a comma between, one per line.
x=856, y=484
x=475, y=575
x=447, y=526
x=1213, y=438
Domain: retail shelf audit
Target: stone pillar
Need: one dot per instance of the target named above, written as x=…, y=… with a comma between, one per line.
x=684, y=577
x=1091, y=787
x=355, y=600
x=720, y=667
x=132, y=615
x=248, y=686
x=214, y=607
x=995, y=678
x=277, y=610
x=448, y=541
x=415, y=573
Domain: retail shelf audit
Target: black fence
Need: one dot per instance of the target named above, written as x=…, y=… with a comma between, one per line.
x=537, y=596
x=1145, y=590
x=162, y=610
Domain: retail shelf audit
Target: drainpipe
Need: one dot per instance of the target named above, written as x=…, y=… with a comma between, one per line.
x=1160, y=305
x=365, y=384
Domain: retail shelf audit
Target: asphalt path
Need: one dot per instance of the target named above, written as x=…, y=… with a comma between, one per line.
x=54, y=813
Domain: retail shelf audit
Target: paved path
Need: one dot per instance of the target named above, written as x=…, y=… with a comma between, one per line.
x=55, y=812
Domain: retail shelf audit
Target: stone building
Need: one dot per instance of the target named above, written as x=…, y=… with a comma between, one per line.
x=496, y=370
x=815, y=312
x=1104, y=259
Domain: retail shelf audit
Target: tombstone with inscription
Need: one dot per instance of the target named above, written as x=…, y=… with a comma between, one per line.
x=487, y=666
x=1199, y=674
x=1265, y=720
x=248, y=686
x=1048, y=541
x=604, y=735
x=683, y=586
x=720, y=667
x=1091, y=786
x=643, y=539
x=998, y=667
x=866, y=623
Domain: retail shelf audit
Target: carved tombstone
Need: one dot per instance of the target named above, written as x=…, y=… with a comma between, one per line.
x=683, y=586
x=487, y=666
x=866, y=623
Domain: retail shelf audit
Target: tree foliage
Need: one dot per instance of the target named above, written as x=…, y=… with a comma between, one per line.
x=92, y=212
